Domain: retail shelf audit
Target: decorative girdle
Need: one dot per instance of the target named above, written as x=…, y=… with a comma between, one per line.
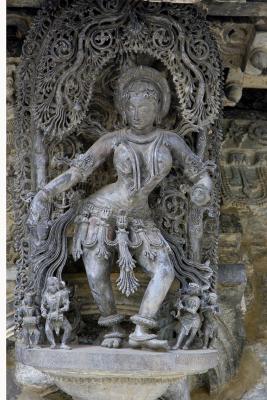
x=73, y=71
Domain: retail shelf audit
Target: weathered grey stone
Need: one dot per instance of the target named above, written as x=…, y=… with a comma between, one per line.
x=247, y=245
x=24, y=3
x=88, y=372
x=232, y=274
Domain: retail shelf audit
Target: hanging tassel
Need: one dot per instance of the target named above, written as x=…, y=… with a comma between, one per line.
x=127, y=282
x=102, y=251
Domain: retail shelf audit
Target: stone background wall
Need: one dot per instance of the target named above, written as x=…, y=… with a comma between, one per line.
x=241, y=30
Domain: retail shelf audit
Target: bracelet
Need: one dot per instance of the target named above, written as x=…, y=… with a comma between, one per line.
x=47, y=193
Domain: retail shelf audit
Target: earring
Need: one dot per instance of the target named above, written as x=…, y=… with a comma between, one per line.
x=158, y=119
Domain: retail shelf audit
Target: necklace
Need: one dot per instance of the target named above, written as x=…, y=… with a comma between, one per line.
x=141, y=139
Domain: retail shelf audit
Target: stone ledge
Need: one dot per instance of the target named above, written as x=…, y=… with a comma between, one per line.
x=99, y=362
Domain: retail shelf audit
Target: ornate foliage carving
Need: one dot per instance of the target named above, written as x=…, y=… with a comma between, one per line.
x=78, y=48
x=12, y=64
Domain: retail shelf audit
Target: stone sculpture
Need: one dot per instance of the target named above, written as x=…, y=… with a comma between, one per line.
x=143, y=155
x=187, y=313
x=55, y=302
x=30, y=317
x=120, y=89
x=210, y=324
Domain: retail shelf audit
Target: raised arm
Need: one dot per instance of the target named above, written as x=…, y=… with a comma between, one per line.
x=194, y=169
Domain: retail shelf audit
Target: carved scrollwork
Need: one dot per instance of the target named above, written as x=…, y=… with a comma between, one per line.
x=61, y=101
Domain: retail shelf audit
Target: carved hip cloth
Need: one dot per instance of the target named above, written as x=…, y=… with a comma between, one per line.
x=190, y=321
x=106, y=230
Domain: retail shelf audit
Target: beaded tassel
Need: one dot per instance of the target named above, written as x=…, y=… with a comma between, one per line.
x=127, y=282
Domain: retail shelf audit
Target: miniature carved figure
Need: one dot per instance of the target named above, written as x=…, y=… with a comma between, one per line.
x=210, y=325
x=30, y=316
x=188, y=314
x=143, y=155
x=55, y=302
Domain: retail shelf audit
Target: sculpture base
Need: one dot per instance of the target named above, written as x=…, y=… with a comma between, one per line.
x=96, y=373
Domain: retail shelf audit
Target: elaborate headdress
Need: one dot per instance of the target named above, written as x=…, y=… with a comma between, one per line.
x=147, y=75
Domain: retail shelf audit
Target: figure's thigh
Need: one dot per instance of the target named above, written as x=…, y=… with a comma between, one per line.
x=98, y=273
x=160, y=264
x=96, y=266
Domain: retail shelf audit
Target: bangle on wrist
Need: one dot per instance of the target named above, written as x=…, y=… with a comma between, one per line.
x=46, y=193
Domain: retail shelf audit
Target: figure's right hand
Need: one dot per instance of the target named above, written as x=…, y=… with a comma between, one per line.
x=38, y=219
x=38, y=207
x=77, y=249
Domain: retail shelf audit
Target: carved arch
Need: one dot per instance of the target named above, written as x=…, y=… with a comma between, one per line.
x=82, y=41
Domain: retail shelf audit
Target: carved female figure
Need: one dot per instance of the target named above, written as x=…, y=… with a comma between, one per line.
x=55, y=303
x=30, y=316
x=118, y=217
x=190, y=320
x=210, y=325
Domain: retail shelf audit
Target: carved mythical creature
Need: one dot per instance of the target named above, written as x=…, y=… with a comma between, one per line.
x=55, y=302
x=118, y=217
x=30, y=316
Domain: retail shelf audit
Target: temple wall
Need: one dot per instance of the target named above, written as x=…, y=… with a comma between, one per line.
x=242, y=276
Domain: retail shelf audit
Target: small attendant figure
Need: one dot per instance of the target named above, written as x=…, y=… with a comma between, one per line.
x=187, y=314
x=55, y=302
x=30, y=316
x=210, y=325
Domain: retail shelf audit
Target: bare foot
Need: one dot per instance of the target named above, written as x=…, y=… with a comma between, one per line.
x=112, y=343
x=63, y=346
x=148, y=341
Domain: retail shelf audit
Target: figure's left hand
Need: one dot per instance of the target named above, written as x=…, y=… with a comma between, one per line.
x=200, y=195
x=201, y=191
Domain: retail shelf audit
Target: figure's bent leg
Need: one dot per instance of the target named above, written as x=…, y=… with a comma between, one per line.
x=50, y=335
x=206, y=340
x=98, y=274
x=180, y=339
x=27, y=339
x=161, y=270
x=36, y=338
x=190, y=339
x=66, y=335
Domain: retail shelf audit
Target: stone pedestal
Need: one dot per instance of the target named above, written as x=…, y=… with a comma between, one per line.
x=96, y=373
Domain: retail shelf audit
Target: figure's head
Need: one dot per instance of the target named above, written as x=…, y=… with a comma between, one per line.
x=193, y=289
x=213, y=298
x=28, y=299
x=200, y=195
x=142, y=97
x=52, y=284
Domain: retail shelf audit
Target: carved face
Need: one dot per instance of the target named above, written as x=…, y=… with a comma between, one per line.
x=28, y=300
x=142, y=106
x=52, y=285
x=200, y=196
x=213, y=298
x=193, y=290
